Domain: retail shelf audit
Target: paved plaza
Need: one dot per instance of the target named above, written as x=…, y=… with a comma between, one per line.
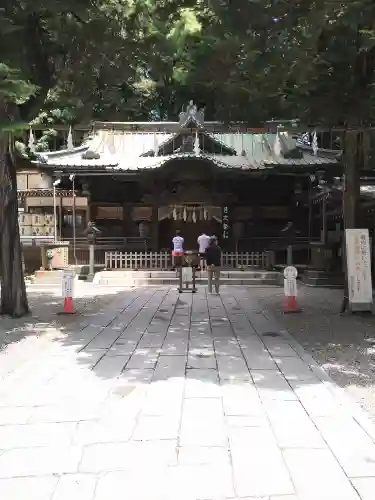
x=152, y=395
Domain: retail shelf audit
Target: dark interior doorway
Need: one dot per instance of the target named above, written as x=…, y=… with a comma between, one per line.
x=189, y=231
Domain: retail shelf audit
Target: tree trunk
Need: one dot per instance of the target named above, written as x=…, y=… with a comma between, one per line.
x=353, y=160
x=13, y=290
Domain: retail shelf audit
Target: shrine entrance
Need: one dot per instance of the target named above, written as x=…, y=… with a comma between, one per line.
x=191, y=221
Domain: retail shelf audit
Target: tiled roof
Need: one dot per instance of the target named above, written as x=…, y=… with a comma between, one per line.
x=116, y=149
x=224, y=161
x=368, y=190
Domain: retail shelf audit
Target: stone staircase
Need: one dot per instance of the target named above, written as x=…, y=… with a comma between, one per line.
x=47, y=277
x=322, y=279
x=53, y=277
x=228, y=277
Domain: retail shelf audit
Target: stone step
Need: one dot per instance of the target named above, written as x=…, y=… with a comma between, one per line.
x=172, y=274
x=175, y=281
x=322, y=279
x=48, y=277
x=141, y=278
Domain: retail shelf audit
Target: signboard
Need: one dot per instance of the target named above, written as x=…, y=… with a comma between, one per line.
x=47, y=201
x=359, y=269
x=225, y=220
x=142, y=213
x=67, y=283
x=187, y=274
x=290, y=281
x=109, y=213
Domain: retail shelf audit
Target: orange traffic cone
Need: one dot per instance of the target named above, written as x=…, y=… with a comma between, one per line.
x=291, y=305
x=68, y=306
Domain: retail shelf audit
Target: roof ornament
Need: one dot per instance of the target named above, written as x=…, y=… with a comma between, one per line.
x=70, y=145
x=156, y=145
x=31, y=143
x=191, y=113
x=191, y=108
x=277, y=145
x=90, y=155
x=315, y=143
x=196, y=144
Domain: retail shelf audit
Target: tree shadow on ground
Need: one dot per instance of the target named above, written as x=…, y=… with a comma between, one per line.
x=107, y=352
x=120, y=349
x=148, y=385
x=343, y=344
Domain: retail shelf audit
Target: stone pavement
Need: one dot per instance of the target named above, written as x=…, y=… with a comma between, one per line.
x=166, y=396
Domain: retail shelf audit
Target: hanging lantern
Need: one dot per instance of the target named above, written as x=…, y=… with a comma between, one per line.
x=194, y=216
x=185, y=214
x=174, y=213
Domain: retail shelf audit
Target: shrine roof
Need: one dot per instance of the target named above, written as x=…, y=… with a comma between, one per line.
x=112, y=148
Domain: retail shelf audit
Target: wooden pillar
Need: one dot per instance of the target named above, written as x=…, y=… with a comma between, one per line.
x=155, y=228
x=88, y=212
x=87, y=216
x=126, y=221
x=60, y=217
x=324, y=221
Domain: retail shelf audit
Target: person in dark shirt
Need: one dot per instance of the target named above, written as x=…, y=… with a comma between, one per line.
x=212, y=256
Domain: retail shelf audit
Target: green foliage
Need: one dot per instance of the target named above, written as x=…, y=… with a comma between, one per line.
x=248, y=60
x=13, y=89
x=300, y=58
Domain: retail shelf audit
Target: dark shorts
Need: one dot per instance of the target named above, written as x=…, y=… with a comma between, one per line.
x=177, y=259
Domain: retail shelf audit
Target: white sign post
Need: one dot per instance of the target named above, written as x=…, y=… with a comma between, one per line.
x=358, y=258
x=290, y=289
x=187, y=276
x=67, y=291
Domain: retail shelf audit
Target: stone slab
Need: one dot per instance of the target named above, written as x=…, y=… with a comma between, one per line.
x=190, y=392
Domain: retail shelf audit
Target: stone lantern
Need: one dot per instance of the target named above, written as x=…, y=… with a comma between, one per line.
x=91, y=233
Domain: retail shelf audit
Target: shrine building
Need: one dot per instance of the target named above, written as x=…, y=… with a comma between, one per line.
x=258, y=190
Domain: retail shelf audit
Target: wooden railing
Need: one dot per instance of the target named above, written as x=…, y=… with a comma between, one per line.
x=271, y=243
x=138, y=260
x=163, y=260
x=134, y=243
x=245, y=259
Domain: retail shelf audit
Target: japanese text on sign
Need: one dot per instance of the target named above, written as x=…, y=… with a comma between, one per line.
x=359, y=266
x=290, y=281
x=67, y=283
x=225, y=223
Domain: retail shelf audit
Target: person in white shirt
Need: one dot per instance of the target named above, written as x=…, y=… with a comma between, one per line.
x=178, y=249
x=203, y=242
